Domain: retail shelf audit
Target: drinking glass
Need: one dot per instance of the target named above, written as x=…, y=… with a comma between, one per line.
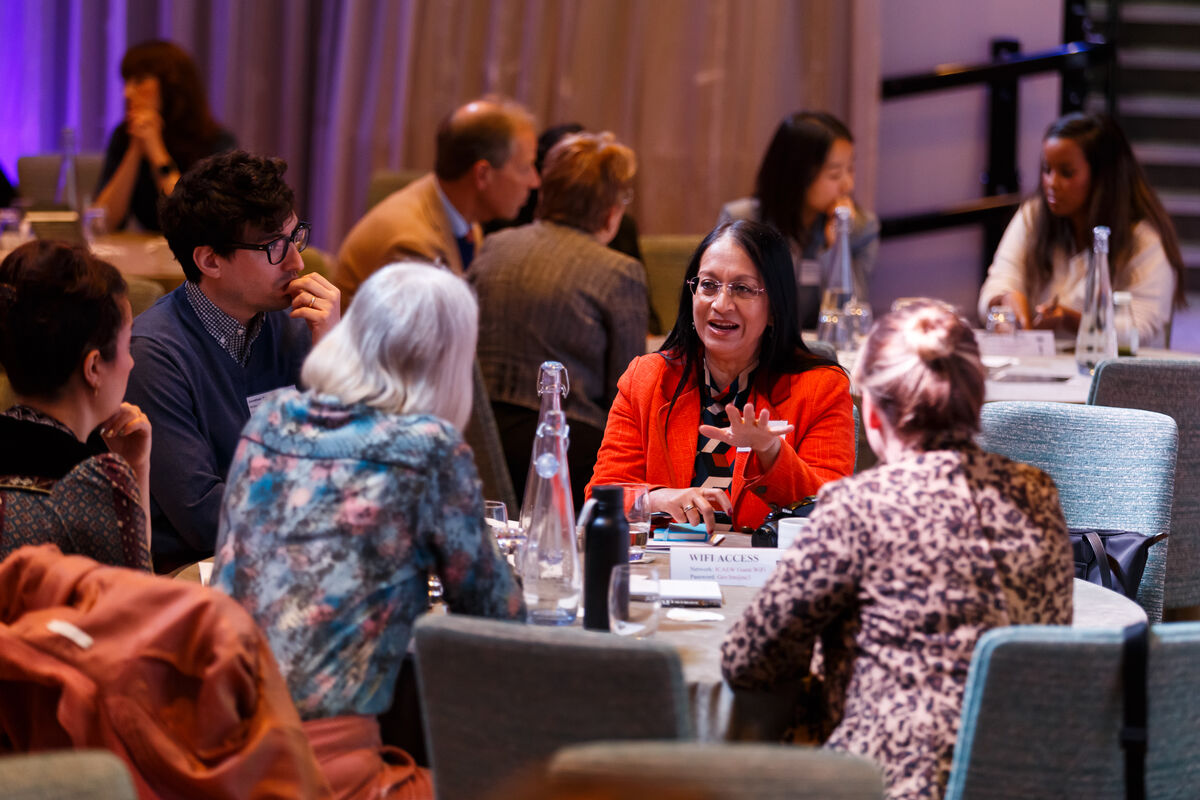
x=633, y=601
x=1002, y=319
x=509, y=539
x=95, y=224
x=637, y=512
x=857, y=318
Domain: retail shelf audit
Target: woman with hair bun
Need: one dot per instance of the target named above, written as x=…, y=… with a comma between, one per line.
x=903, y=567
x=74, y=458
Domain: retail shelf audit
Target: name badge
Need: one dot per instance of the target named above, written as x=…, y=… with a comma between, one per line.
x=730, y=566
x=256, y=400
x=810, y=272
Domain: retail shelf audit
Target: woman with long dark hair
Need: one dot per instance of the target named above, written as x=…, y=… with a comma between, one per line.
x=168, y=127
x=1089, y=177
x=807, y=172
x=734, y=412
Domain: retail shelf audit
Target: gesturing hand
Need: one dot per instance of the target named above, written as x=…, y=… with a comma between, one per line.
x=745, y=430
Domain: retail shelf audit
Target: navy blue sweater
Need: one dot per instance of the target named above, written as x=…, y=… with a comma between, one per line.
x=195, y=396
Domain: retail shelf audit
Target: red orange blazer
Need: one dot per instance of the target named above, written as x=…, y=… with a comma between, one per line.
x=641, y=445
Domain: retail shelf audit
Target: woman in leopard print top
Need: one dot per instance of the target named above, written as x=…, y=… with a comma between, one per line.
x=879, y=603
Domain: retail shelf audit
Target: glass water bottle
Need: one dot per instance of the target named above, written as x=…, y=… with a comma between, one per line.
x=1097, y=337
x=550, y=567
x=839, y=285
x=66, y=194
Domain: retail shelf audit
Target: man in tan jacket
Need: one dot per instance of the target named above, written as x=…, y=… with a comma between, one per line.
x=486, y=152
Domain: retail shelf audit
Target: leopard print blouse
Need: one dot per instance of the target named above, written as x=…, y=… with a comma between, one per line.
x=900, y=571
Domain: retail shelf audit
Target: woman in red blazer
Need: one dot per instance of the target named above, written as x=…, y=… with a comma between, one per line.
x=734, y=412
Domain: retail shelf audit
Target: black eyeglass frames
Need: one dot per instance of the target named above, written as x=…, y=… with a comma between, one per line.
x=276, y=249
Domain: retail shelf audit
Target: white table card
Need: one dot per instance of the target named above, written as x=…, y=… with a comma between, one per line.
x=731, y=566
x=1021, y=343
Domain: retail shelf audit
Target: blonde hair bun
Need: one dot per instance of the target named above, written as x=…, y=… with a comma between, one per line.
x=931, y=335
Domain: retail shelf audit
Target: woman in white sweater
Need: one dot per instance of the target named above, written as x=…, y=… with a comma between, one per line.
x=1089, y=177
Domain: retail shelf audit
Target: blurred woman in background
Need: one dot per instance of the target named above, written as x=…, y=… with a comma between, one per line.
x=807, y=172
x=75, y=459
x=1089, y=177
x=903, y=567
x=168, y=127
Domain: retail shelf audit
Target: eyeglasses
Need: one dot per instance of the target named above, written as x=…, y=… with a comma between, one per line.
x=276, y=249
x=709, y=289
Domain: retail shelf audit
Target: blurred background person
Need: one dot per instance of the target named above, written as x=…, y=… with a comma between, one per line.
x=343, y=499
x=694, y=418
x=75, y=460
x=168, y=127
x=807, y=172
x=1089, y=177
x=553, y=290
x=903, y=567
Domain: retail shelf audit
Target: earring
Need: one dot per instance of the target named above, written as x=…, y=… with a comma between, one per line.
x=95, y=390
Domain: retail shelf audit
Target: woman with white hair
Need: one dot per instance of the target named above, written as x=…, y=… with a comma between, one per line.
x=343, y=499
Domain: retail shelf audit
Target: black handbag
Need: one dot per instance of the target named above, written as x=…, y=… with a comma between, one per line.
x=1112, y=559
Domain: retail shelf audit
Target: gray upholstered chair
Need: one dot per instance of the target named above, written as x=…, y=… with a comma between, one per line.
x=143, y=293
x=724, y=771
x=385, y=181
x=1114, y=468
x=1171, y=388
x=500, y=698
x=1043, y=711
x=65, y=775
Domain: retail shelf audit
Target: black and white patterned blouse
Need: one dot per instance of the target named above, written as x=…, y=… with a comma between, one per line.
x=714, y=458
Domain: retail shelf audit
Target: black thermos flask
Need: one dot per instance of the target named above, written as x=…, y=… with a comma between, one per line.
x=606, y=544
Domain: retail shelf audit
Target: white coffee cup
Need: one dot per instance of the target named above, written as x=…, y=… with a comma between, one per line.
x=789, y=529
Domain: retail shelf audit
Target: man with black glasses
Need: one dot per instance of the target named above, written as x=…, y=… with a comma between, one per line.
x=238, y=329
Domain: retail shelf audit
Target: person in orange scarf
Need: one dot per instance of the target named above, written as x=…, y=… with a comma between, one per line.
x=734, y=413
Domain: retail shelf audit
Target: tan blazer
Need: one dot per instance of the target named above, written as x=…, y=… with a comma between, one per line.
x=410, y=222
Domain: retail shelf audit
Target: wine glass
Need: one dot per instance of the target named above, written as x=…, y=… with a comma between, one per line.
x=509, y=540
x=633, y=601
x=1002, y=319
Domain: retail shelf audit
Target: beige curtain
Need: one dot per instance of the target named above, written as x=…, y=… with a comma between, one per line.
x=344, y=87
x=696, y=87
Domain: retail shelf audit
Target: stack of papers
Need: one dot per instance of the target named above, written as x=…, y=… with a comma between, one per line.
x=678, y=593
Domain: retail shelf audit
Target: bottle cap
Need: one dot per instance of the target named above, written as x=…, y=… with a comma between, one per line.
x=1100, y=239
x=610, y=495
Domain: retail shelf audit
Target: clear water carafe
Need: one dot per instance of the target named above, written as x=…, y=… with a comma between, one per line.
x=1097, y=337
x=550, y=566
x=66, y=194
x=838, y=289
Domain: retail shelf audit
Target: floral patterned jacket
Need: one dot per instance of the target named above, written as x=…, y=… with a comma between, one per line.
x=900, y=571
x=334, y=516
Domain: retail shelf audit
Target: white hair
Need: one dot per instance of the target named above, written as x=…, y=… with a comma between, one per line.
x=405, y=346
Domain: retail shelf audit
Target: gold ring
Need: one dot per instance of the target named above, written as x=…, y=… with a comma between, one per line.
x=688, y=508
x=313, y=301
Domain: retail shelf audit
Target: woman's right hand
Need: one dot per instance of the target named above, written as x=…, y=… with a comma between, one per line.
x=127, y=433
x=692, y=505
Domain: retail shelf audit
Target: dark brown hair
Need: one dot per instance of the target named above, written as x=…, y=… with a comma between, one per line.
x=1120, y=197
x=921, y=367
x=218, y=200
x=189, y=130
x=58, y=302
x=792, y=162
x=584, y=177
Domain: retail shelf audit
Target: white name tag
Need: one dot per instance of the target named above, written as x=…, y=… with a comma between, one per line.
x=1021, y=343
x=810, y=272
x=256, y=400
x=731, y=566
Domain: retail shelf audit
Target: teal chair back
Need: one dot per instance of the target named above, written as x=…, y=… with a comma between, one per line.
x=1043, y=711
x=1170, y=387
x=1114, y=468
